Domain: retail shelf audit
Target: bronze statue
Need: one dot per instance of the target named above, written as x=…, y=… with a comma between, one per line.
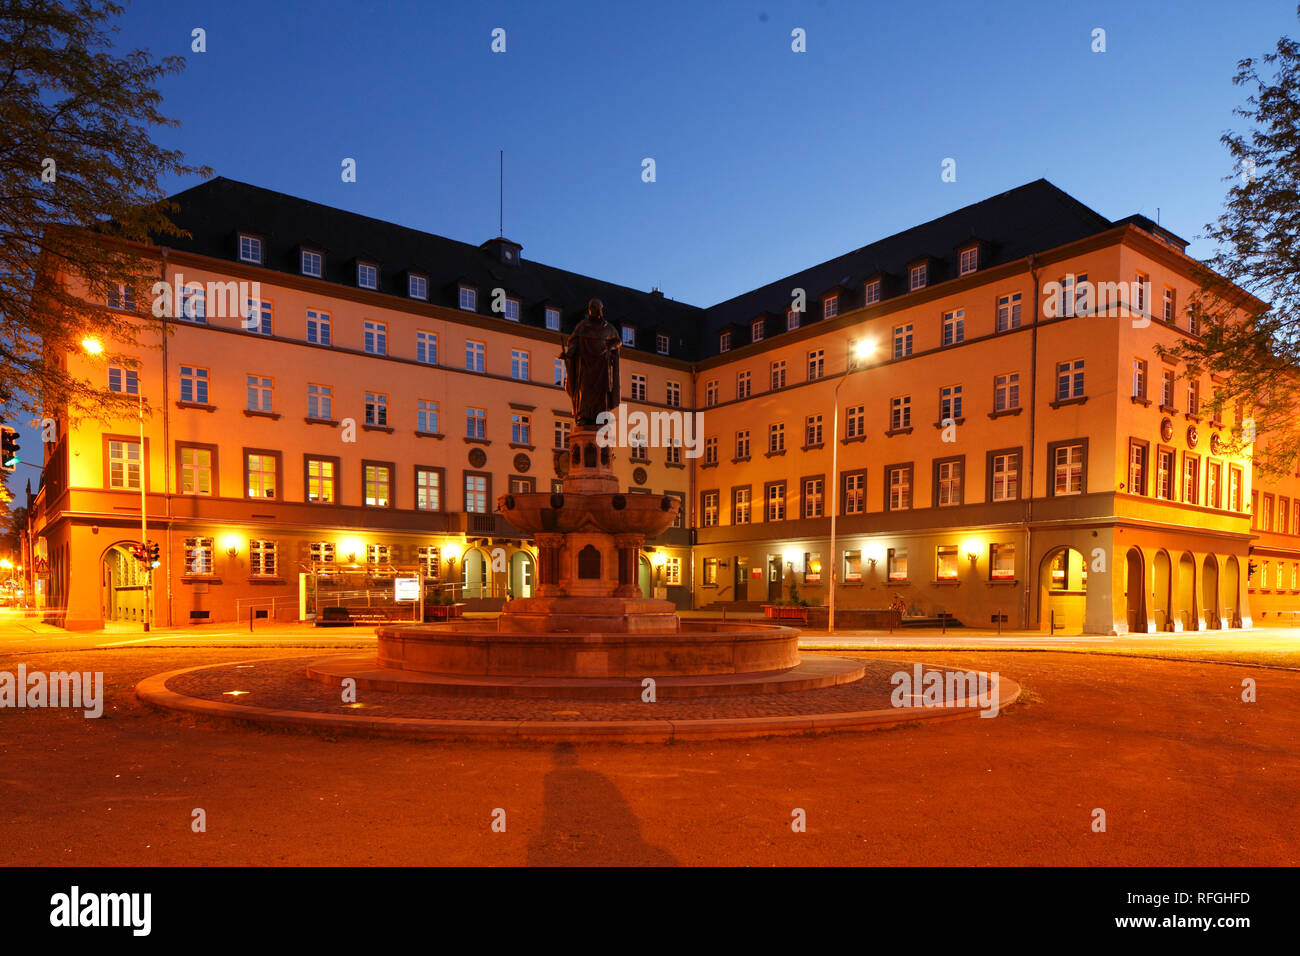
x=591, y=366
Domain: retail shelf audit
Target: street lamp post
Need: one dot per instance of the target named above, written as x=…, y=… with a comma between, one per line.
x=859, y=350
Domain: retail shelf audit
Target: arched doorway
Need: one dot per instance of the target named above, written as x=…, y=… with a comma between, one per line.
x=521, y=575
x=1162, y=578
x=644, y=577
x=474, y=574
x=1185, y=592
x=1135, y=592
x=122, y=584
x=1063, y=589
x=1232, y=592
x=1210, y=592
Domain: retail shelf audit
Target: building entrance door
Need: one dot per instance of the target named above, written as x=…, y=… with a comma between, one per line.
x=773, y=578
x=741, y=588
x=122, y=582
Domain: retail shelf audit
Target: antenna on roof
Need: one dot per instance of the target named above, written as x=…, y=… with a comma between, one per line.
x=501, y=193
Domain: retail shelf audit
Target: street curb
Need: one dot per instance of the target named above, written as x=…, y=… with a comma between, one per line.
x=154, y=692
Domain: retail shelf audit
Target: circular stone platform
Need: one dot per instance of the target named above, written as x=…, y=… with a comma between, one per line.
x=278, y=693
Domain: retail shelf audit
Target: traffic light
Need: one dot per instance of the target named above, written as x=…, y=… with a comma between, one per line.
x=9, y=451
x=151, y=553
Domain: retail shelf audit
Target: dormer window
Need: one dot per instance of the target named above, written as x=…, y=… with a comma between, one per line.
x=871, y=292
x=250, y=248
x=724, y=341
x=512, y=309
x=917, y=276
x=468, y=298
x=553, y=318
x=417, y=286
x=969, y=260
x=757, y=329
x=367, y=275
x=830, y=306
x=791, y=320
x=311, y=263
x=629, y=335
x=661, y=344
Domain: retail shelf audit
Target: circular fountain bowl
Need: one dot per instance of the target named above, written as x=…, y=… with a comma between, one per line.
x=620, y=513
x=480, y=649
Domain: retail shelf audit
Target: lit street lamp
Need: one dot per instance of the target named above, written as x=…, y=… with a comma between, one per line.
x=857, y=354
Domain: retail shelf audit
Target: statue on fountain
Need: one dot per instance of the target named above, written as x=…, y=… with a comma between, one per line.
x=591, y=366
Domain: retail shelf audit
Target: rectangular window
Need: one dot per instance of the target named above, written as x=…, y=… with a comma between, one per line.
x=1193, y=398
x=775, y=501
x=1167, y=389
x=816, y=364
x=1008, y=312
x=262, y=558
x=519, y=364
x=855, y=421
x=638, y=388
x=322, y=473
x=1067, y=463
x=1234, y=488
x=814, y=497
x=417, y=286
x=124, y=380
x=740, y=505
x=852, y=566
x=855, y=493
x=1168, y=312
x=1075, y=295
x=948, y=483
x=791, y=319
x=1266, y=513
x=896, y=564
x=426, y=416
x=198, y=556
x=742, y=443
x=954, y=327
x=512, y=310
x=552, y=318
x=711, y=393
x=124, y=465
x=377, y=409
x=476, y=423
x=467, y=298
x=426, y=348
x=776, y=437
x=778, y=375
x=673, y=453
x=1141, y=293
x=194, y=384
x=1283, y=515
x=871, y=292
x=259, y=393
x=711, y=451
x=902, y=340
x=916, y=277
x=812, y=567
x=812, y=430
x=1191, y=479
x=709, y=509
x=311, y=263
x=377, y=554
x=709, y=572
x=1006, y=392
x=1139, y=378
x=629, y=335
x=1165, y=474
x=673, y=399
x=562, y=431
x=724, y=342
x=662, y=344
x=945, y=562
x=521, y=429
x=192, y=306
x=830, y=307
x=950, y=403
x=376, y=338
x=257, y=317
x=1069, y=380
x=561, y=373
x=430, y=558
x=969, y=261
x=261, y=469
x=475, y=356
x=320, y=402
x=1006, y=477
x=1137, y=468
x=1214, y=484
x=378, y=485
x=196, y=471
x=672, y=571
x=900, y=412
x=475, y=493
x=121, y=297
x=1002, y=561
x=742, y=385
x=900, y=487
x=250, y=248
x=318, y=327
x=756, y=330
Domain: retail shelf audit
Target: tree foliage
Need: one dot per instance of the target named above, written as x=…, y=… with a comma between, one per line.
x=1250, y=342
x=79, y=195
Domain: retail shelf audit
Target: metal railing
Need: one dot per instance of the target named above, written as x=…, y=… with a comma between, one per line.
x=264, y=608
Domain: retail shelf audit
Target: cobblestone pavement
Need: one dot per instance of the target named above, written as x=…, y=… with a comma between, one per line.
x=280, y=684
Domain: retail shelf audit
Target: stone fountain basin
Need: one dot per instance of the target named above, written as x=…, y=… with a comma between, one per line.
x=479, y=648
x=623, y=513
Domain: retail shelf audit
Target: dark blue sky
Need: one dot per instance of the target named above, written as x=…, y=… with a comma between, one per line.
x=767, y=160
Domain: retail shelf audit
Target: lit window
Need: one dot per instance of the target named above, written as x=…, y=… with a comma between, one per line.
x=198, y=556
x=946, y=562
x=896, y=564
x=379, y=485
x=320, y=480
x=262, y=471
x=262, y=557
x=196, y=471
x=1002, y=561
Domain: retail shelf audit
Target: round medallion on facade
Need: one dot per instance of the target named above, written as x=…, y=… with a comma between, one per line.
x=639, y=475
x=477, y=457
x=1166, y=429
x=522, y=463
x=1193, y=436
x=1216, y=443
x=561, y=464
